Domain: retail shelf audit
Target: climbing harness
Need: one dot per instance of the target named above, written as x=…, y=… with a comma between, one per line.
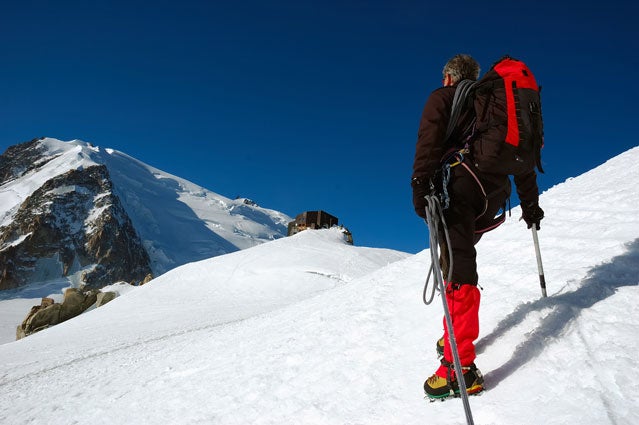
x=453, y=159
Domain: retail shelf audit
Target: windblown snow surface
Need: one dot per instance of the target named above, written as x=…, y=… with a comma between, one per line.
x=310, y=330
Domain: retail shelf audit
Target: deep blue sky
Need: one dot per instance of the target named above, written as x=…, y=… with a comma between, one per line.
x=304, y=105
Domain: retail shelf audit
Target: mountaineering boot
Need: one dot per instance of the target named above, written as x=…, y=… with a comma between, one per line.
x=439, y=347
x=438, y=388
x=463, y=306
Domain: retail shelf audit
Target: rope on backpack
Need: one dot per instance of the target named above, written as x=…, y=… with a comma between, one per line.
x=461, y=94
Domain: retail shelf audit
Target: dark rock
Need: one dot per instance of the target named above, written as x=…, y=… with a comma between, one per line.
x=73, y=219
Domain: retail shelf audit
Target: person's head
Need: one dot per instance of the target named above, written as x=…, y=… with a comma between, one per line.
x=460, y=67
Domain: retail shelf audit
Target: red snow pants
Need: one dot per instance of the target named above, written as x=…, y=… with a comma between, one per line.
x=471, y=213
x=463, y=304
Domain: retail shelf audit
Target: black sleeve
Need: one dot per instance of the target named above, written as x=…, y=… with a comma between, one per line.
x=431, y=134
x=527, y=189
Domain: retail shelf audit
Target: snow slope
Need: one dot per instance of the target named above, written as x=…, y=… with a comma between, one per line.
x=309, y=330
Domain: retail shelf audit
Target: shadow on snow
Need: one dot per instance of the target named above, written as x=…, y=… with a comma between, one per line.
x=600, y=283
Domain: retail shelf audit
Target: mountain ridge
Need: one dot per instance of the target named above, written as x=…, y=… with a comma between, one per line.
x=175, y=221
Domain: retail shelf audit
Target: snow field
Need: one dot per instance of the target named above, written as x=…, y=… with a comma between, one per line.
x=309, y=330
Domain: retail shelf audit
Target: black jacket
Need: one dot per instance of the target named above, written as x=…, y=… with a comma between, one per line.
x=431, y=146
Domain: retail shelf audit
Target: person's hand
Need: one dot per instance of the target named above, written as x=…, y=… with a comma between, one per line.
x=420, y=190
x=531, y=213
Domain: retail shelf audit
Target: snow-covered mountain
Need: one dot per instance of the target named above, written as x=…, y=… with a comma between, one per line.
x=311, y=330
x=71, y=212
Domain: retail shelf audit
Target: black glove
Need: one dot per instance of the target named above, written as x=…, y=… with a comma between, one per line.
x=421, y=188
x=532, y=214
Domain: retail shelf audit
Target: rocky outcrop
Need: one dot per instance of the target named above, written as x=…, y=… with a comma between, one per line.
x=21, y=159
x=50, y=313
x=73, y=222
x=147, y=279
x=40, y=317
x=105, y=297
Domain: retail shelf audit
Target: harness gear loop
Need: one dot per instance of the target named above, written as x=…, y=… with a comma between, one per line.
x=452, y=160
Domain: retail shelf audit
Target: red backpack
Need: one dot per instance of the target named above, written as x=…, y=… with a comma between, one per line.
x=508, y=134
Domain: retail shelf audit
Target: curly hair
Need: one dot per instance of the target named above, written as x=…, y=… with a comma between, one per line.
x=462, y=67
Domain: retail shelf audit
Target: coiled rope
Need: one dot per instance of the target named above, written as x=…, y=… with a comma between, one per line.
x=436, y=221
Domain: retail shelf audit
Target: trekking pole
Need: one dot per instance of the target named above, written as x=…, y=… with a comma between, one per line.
x=540, y=267
x=435, y=217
